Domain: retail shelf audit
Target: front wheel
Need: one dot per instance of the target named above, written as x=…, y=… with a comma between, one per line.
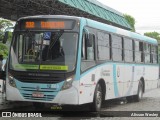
x=97, y=101
x=140, y=92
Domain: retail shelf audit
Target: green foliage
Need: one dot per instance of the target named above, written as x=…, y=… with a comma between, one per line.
x=155, y=35
x=3, y=50
x=3, y=25
x=131, y=21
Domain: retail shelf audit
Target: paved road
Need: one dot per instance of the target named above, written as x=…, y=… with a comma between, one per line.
x=150, y=102
x=8, y=105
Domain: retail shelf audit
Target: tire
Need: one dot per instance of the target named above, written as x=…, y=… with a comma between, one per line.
x=97, y=101
x=140, y=92
x=38, y=106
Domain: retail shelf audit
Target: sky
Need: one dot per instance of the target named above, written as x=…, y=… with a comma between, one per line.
x=145, y=12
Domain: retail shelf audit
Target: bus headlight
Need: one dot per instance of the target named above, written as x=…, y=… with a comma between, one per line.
x=67, y=83
x=11, y=80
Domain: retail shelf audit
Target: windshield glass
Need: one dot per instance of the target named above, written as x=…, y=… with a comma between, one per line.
x=44, y=51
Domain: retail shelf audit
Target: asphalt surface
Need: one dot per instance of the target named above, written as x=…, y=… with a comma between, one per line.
x=117, y=109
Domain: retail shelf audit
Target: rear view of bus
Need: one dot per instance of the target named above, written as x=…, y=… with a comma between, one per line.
x=42, y=61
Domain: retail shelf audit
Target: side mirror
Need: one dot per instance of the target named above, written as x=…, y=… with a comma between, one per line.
x=5, y=37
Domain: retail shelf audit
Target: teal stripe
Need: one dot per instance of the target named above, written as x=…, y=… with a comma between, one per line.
x=101, y=26
x=144, y=38
x=115, y=81
x=111, y=63
x=132, y=81
x=78, y=72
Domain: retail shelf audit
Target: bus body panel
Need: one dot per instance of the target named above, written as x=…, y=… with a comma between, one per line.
x=117, y=84
x=25, y=91
x=121, y=79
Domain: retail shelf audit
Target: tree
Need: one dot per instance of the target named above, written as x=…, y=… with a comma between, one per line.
x=3, y=50
x=131, y=21
x=3, y=25
x=154, y=35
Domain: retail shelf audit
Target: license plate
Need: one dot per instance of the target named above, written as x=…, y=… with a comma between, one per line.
x=37, y=95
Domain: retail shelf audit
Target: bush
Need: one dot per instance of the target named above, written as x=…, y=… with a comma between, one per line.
x=3, y=50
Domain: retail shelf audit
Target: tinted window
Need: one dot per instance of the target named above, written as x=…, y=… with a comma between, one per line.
x=128, y=50
x=103, y=46
x=116, y=48
x=147, y=52
x=139, y=51
x=154, y=52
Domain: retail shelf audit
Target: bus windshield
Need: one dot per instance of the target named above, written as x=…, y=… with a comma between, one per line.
x=46, y=51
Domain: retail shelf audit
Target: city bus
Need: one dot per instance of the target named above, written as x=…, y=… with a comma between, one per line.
x=69, y=60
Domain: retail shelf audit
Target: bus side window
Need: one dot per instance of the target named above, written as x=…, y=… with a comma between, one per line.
x=141, y=49
x=128, y=50
x=90, y=47
x=116, y=48
x=147, y=51
x=154, y=53
x=83, y=53
x=137, y=53
x=103, y=45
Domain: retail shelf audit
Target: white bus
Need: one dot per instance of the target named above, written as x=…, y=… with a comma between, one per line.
x=73, y=60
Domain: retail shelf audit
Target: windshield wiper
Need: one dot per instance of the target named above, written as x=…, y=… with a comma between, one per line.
x=56, y=38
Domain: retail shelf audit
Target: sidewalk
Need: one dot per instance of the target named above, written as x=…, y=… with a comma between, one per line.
x=4, y=104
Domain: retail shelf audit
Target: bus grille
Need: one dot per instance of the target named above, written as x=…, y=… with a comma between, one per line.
x=48, y=93
x=45, y=98
x=39, y=79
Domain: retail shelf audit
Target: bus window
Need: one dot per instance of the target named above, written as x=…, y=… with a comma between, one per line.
x=116, y=48
x=83, y=55
x=154, y=52
x=137, y=53
x=147, y=53
x=103, y=46
x=90, y=45
x=141, y=51
x=128, y=50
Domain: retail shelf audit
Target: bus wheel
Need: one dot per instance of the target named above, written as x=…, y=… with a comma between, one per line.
x=97, y=102
x=38, y=105
x=139, y=95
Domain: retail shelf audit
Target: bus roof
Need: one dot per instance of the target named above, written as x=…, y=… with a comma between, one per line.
x=50, y=16
x=119, y=31
x=100, y=26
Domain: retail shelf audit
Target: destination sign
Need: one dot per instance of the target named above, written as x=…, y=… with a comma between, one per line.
x=41, y=24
